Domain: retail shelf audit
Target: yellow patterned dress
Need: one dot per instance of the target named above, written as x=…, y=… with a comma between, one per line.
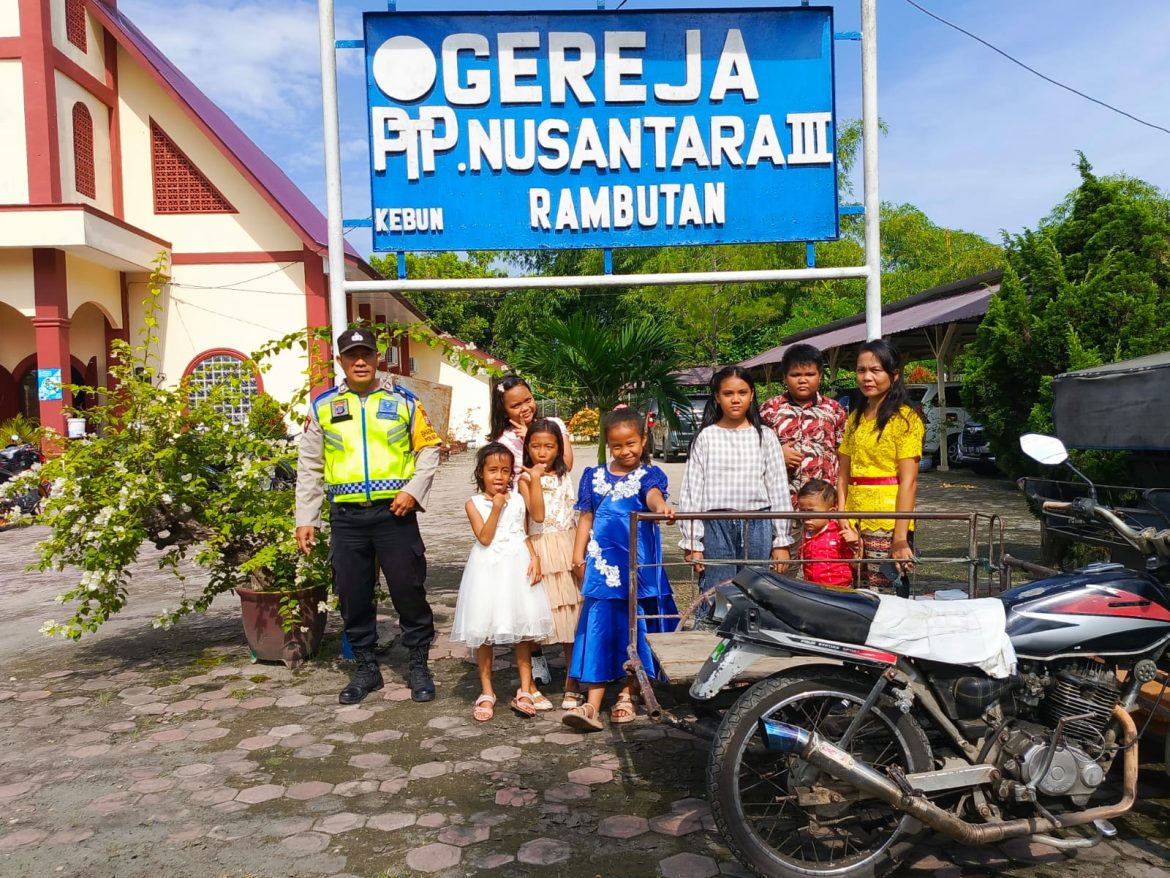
x=873, y=476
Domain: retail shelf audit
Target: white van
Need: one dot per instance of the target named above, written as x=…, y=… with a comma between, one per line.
x=924, y=398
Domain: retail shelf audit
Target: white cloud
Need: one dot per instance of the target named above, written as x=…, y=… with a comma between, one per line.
x=255, y=59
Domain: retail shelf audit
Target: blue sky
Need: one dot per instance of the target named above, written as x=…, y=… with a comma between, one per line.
x=975, y=141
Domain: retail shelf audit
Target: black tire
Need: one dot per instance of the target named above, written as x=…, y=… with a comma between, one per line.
x=654, y=452
x=805, y=843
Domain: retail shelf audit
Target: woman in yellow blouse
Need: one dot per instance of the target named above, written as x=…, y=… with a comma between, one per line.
x=879, y=459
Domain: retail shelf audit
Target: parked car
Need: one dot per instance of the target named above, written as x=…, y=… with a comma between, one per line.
x=924, y=397
x=669, y=442
x=973, y=448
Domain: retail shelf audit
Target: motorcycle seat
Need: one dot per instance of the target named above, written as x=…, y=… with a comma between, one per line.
x=831, y=614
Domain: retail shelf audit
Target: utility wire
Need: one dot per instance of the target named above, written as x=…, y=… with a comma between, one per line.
x=1036, y=72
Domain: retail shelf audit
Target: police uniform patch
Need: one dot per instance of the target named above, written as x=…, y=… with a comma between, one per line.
x=340, y=409
x=387, y=408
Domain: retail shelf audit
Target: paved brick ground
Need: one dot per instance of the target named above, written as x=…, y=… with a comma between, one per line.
x=139, y=752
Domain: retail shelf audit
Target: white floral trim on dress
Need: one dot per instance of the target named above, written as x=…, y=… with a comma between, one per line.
x=612, y=574
x=626, y=486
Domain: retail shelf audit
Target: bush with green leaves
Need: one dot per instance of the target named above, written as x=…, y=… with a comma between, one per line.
x=172, y=470
x=1089, y=285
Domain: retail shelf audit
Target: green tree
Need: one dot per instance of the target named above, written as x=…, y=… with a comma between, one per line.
x=601, y=365
x=465, y=314
x=1089, y=285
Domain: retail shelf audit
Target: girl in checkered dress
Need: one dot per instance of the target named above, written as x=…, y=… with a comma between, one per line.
x=735, y=465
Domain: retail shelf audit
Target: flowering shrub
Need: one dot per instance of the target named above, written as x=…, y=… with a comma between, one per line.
x=174, y=471
x=586, y=424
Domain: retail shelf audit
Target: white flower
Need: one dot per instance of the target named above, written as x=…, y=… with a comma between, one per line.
x=227, y=428
x=48, y=629
x=322, y=607
x=185, y=477
x=167, y=499
x=304, y=629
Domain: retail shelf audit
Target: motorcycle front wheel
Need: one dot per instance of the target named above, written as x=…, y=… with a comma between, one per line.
x=754, y=792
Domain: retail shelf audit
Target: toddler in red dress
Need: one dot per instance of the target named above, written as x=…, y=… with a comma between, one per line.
x=827, y=541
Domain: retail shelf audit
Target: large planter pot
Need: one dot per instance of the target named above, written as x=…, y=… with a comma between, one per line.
x=260, y=613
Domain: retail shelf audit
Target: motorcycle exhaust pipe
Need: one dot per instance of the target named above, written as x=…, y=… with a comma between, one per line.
x=814, y=749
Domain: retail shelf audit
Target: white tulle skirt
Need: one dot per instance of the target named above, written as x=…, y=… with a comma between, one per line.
x=497, y=604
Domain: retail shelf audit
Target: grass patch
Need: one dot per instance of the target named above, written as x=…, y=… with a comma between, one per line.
x=259, y=678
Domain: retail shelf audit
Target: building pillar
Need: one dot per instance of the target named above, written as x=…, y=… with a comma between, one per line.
x=317, y=316
x=52, y=330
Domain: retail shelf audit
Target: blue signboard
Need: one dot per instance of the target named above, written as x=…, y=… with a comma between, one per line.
x=610, y=129
x=49, y=385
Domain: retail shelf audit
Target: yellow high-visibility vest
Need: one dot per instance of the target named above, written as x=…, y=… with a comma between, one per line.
x=370, y=443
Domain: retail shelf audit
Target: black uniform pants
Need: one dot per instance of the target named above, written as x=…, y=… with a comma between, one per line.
x=361, y=538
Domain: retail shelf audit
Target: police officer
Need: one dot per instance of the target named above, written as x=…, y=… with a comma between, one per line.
x=369, y=447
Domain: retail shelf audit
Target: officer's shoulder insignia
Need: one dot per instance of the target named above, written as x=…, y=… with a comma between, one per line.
x=404, y=393
x=321, y=397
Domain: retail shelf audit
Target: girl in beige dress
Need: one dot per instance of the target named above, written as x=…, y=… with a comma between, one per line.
x=548, y=489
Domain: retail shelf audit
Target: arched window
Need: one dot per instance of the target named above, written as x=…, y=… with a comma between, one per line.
x=219, y=367
x=75, y=24
x=83, y=174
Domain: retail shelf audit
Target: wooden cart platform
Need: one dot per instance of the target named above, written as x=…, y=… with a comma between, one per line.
x=680, y=655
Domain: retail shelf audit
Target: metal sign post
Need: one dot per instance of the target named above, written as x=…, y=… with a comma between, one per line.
x=491, y=66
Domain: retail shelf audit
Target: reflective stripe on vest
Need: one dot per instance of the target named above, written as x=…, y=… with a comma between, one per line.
x=367, y=444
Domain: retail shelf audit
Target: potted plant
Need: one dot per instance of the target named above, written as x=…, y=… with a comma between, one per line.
x=173, y=467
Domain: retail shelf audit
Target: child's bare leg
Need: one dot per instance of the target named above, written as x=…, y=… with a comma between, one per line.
x=524, y=665
x=483, y=659
x=594, y=693
x=570, y=683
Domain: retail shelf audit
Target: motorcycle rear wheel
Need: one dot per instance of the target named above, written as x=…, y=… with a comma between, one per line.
x=752, y=790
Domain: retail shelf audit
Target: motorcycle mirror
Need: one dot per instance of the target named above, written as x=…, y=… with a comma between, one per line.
x=1047, y=450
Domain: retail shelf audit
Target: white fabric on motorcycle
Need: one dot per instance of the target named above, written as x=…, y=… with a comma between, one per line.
x=955, y=632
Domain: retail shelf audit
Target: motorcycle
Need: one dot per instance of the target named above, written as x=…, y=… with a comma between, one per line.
x=14, y=460
x=835, y=767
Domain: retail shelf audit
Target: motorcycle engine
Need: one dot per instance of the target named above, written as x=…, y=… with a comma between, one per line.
x=1083, y=697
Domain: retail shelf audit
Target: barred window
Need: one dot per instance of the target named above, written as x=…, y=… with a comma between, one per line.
x=220, y=367
x=75, y=24
x=179, y=186
x=83, y=173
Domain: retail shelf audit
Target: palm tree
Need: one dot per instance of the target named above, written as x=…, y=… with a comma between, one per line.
x=603, y=365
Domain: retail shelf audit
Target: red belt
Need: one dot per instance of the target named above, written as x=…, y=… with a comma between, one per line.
x=874, y=480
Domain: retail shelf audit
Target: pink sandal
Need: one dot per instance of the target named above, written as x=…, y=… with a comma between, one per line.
x=484, y=709
x=523, y=704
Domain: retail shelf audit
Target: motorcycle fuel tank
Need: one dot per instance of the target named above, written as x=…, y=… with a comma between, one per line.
x=1103, y=609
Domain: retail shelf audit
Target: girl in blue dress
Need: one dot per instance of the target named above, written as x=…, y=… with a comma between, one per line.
x=601, y=558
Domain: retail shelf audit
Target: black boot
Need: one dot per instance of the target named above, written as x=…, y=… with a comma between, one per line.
x=366, y=679
x=422, y=684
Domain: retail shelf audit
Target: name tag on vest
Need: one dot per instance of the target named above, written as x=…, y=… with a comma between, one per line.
x=388, y=408
x=341, y=410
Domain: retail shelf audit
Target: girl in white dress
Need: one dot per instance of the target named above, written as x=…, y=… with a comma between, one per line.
x=550, y=494
x=501, y=600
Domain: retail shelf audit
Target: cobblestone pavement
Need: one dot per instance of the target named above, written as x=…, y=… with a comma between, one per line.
x=140, y=752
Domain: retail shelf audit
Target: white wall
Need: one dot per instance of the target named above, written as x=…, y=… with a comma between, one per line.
x=9, y=19
x=202, y=314
x=17, y=337
x=16, y=282
x=93, y=60
x=255, y=226
x=13, y=148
